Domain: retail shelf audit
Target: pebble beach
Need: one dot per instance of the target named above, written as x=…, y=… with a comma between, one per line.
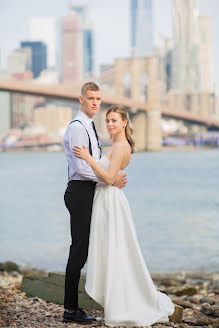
x=197, y=294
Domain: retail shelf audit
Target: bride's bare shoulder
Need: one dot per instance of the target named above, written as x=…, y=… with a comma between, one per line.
x=121, y=147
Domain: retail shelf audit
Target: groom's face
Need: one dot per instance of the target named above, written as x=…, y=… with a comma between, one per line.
x=90, y=102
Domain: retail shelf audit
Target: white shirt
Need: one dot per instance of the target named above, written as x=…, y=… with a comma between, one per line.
x=76, y=135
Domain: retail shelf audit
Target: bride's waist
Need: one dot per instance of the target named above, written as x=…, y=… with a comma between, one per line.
x=100, y=186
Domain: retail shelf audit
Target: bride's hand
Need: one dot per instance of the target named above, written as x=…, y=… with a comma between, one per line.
x=81, y=152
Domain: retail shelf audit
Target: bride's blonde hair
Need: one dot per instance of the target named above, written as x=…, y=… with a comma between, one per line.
x=125, y=117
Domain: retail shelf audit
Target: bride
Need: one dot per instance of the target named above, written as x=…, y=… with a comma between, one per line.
x=117, y=276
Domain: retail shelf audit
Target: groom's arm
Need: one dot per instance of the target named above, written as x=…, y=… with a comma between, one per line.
x=77, y=136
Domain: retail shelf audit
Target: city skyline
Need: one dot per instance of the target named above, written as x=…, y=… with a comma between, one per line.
x=109, y=19
x=142, y=36
x=186, y=52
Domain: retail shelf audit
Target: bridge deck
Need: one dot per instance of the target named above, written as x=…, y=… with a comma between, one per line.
x=68, y=92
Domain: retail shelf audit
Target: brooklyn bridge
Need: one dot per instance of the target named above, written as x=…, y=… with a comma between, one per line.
x=145, y=115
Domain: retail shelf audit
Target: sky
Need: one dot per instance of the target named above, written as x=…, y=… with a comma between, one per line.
x=110, y=20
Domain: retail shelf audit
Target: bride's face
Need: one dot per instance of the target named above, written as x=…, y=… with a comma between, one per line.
x=114, y=123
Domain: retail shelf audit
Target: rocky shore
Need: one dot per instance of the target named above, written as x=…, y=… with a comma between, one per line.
x=196, y=293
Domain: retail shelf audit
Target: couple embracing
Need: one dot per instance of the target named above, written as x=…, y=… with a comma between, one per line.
x=102, y=227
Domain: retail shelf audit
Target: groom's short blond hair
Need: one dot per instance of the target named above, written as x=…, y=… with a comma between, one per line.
x=89, y=86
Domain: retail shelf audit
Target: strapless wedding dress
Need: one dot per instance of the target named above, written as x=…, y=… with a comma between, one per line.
x=117, y=276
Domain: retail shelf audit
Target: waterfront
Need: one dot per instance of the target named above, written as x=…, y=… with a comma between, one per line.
x=173, y=197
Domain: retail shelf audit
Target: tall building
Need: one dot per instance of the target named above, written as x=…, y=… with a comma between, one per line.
x=5, y=112
x=39, y=55
x=141, y=28
x=80, y=9
x=88, y=50
x=22, y=110
x=72, y=48
x=52, y=118
x=20, y=61
x=44, y=29
x=186, y=72
x=206, y=54
x=88, y=43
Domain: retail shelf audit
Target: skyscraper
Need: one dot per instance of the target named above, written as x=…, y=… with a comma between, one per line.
x=39, y=56
x=20, y=61
x=44, y=29
x=88, y=47
x=206, y=54
x=5, y=112
x=141, y=28
x=72, y=48
x=88, y=51
x=186, y=73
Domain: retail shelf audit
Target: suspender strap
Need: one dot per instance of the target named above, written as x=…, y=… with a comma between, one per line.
x=95, y=131
x=90, y=148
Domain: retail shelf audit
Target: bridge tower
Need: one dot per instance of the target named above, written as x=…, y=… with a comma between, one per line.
x=136, y=78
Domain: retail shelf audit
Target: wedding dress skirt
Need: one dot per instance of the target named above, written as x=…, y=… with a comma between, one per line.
x=117, y=276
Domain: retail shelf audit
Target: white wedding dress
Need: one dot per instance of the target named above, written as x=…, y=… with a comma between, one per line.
x=117, y=276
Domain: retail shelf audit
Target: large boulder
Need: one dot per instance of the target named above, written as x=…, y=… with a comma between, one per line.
x=212, y=310
x=177, y=314
x=51, y=289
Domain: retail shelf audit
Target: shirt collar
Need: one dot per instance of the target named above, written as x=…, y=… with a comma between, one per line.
x=84, y=118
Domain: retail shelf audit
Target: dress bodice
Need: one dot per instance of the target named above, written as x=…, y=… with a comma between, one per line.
x=104, y=163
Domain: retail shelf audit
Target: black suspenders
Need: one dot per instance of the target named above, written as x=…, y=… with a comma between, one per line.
x=90, y=148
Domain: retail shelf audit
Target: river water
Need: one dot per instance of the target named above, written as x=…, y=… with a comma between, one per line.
x=174, y=198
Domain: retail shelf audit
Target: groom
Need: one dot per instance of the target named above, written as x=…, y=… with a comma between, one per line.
x=79, y=195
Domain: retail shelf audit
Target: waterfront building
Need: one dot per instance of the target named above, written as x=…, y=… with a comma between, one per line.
x=39, y=55
x=201, y=104
x=52, y=118
x=22, y=110
x=206, y=54
x=141, y=28
x=72, y=48
x=5, y=112
x=44, y=29
x=20, y=61
x=164, y=56
x=186, y=70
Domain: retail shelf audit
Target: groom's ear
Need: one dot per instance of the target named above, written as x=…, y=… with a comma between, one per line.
x=81, y=99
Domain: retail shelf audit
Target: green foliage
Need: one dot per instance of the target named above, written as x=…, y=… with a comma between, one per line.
x=11, y=266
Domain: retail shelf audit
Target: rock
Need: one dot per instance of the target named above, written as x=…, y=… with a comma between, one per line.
x=206, y=309
x=211, y=310
x=205, y=299
x=198, y=319
x=184, y=290
x=182, y=303
x=51, y=289
x=168, y=282
x=177, y=315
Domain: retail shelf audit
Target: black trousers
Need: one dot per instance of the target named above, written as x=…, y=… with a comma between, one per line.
x=78, y=200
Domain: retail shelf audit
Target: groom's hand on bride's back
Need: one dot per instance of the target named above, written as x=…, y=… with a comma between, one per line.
x=120, y=181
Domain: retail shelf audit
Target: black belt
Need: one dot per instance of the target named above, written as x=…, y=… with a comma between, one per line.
x=81, y=181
